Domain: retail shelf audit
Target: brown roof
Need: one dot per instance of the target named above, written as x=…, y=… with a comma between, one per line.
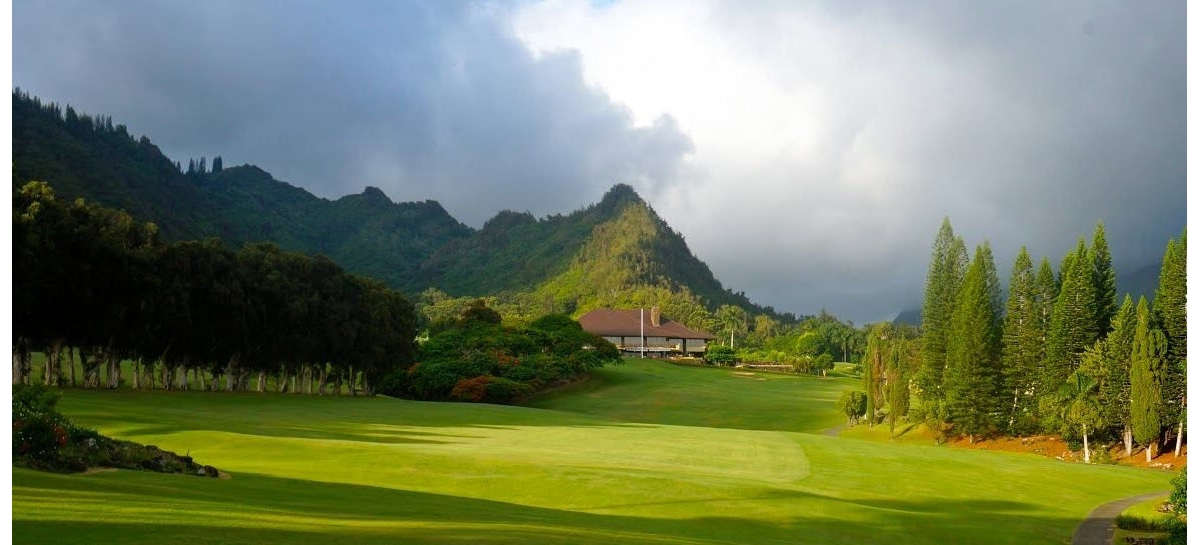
x=608, y=322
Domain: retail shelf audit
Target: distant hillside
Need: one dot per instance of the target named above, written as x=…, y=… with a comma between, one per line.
x=614, y=252
x=89, y=157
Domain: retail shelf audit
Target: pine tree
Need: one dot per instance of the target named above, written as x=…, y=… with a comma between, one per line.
x=973, y=381
x=1104, y=281
x=1145, y=380
x=1170, y=310
x=1073, y=322
x=946, y=268
x=1045, y=294
x=1023, y=342
x=1114, y=377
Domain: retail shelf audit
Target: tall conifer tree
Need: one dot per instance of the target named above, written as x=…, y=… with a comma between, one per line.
x=1145, y=380
x=1170, y=309
x=973, y=381
x=1104, y=280
x=1117, y=357
x=1073, y=322
x=1022, y=336
x=946, y=268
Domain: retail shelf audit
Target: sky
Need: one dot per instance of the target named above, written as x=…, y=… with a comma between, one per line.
x=807, y=151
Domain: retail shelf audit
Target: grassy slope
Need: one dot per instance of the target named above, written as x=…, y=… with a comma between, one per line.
x=635, y=470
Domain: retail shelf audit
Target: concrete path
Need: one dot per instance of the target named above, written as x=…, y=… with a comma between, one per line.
x=1100, y=525
x=834, y=431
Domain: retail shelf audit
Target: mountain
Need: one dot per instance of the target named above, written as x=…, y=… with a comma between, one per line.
x=615, y=252
x=90, y=158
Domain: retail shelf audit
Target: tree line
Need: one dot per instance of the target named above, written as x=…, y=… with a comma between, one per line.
x=1061, y=355
x=91, y=281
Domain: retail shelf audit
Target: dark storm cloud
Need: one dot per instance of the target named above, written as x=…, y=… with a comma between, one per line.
x=425, y=100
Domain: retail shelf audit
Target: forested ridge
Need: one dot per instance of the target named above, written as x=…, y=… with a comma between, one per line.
x=528, y=266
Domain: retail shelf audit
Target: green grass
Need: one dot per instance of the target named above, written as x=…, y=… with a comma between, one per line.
x=651, y=391
x=644, y=453
x=1145, y=517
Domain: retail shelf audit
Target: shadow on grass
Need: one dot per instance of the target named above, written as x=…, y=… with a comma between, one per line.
x=134, y=507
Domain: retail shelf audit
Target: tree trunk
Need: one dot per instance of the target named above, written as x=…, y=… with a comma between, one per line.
x=183, y=372
x=1128, y=441
x=137, y=373
x=281, y=382
x=71, y=362
x=91, y=368
x=1149, y=452
x=1179, y=440
x=262, y=381
x=321, y=377
x=1087, y=454
x=338, y=386
x=53, y=375
x=21, y=361
x=229, y=372
x=350, y=380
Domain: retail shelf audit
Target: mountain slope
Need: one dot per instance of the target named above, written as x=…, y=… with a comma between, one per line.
x=615, y=252
x=90, y=158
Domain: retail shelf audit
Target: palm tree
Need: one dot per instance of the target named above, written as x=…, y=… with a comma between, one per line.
x=1078, y=406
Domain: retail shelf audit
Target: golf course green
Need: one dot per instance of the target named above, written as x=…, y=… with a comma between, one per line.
x=646, y=452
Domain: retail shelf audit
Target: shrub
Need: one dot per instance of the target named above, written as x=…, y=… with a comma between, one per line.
x=719, y=355
x=853, y=405
x=471, y=389
x=489, y=389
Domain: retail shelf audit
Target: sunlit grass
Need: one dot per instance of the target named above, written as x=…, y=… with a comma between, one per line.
x=642, y=467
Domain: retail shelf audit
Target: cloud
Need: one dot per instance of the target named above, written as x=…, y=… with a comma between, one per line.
x=831, y=139
x=424, y=100
x=808, y=151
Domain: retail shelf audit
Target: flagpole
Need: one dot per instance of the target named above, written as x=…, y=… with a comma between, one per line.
x=642, y=320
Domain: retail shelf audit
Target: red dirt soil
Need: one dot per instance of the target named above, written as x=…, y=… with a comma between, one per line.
x=1054, y=447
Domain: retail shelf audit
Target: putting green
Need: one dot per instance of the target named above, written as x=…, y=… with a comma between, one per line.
x=665, y=454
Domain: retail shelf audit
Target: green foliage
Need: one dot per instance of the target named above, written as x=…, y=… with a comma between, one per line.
x=1073, y=323
x=1023, y=345
x=973, y=376
x=853, y=404
x=1170, y=310
x=1178, y=499
x=719, y=355
x=1079, y=406
x=1104, y=280
x=947, y=267
x=481, y=360
x=193, y=305
x=1145, y=377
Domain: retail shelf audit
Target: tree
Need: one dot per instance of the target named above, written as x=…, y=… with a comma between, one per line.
x=1079, y=407
x=897, y=376
x=946, y=269
x=217, y=165
x=1073, y=322
x=1104, y=281
x=1110, y=363
x=823, y=363
x=852, y=404
x=1145, y=378
x=973, y=379
x=1170, y=309
x=1022, y=343
x=733, y=319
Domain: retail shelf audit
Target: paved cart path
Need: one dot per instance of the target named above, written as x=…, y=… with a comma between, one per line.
x=1100, y=525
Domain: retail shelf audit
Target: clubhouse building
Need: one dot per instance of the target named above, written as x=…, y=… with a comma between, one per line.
x=645, y=331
